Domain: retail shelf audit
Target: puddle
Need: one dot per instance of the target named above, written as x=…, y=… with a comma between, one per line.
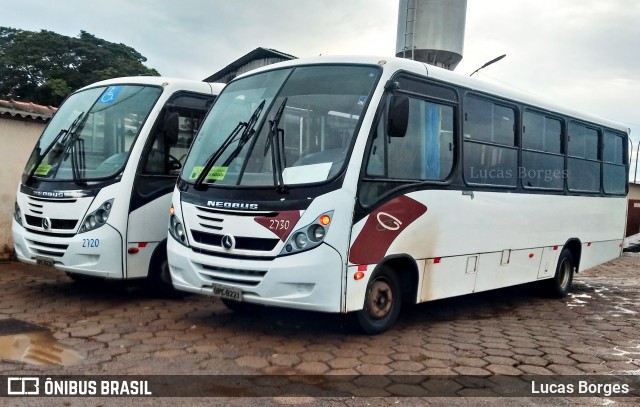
x=576, y=301
x=632, y=355
x=37, y=348
x=624, y=310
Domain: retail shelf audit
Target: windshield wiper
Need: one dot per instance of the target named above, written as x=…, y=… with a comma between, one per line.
x=276, y=142
x=59, y=143
x=70, y=146
x=246, y=135
x=77, y=161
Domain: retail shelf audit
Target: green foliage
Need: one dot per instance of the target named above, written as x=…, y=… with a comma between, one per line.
x=44, y=67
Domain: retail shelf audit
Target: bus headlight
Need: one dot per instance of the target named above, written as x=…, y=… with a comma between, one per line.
x=309, y=236
x=17, y=214
x=176, y=230
x=301, y=240
x=316, y=233
x=96, y=218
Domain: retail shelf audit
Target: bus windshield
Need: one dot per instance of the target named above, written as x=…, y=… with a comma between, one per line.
x=282, y=127
x=91, y=135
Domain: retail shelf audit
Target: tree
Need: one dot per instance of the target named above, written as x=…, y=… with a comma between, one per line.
x=44, y=67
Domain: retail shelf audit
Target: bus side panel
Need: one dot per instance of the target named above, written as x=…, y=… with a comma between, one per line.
x=595, y=253
x=450, y=277
x=522, y=267
x=147, y=227
x=138, y=263
x=453, y=227
x=488, y=222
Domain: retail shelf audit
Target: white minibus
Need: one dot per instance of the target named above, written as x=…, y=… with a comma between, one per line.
x=356, y=184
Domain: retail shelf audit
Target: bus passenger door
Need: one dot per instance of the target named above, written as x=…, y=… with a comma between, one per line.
x=162, y=159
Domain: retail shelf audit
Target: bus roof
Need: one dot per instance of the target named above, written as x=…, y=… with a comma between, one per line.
x=176, y=83
x=393, y=64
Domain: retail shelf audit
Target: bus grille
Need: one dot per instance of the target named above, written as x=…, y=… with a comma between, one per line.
x=210, y=222
x=225, y=275
x=47, y=249
x=61, y=224
x=242, y=243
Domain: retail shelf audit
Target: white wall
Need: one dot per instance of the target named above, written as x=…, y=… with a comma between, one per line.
x=17, y=138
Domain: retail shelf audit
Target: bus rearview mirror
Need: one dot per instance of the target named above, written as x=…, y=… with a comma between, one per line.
x=398, y=116
x=171, y=128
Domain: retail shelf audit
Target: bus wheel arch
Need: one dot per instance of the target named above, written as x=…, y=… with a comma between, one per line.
x=406, y=269
x=575, y=247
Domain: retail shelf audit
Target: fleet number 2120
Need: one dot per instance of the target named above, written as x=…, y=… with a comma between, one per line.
x=90, y=242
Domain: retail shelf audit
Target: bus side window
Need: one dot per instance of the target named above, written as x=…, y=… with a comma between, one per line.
x=490, y=151
x=167, y=147
x=159, y=158
x=542, y=157
x=613, y=164
x=425, y=153
x=583, y=165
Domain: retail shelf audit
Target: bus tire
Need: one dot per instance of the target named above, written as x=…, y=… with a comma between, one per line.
x=159, y=281
x=560, y=284
x=382, y=302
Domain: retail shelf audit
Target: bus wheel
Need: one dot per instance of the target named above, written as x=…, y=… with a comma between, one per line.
x=560, y=284
x=381, y=303
x=159, y=281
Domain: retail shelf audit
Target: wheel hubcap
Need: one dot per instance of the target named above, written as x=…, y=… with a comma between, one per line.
x=380, y=299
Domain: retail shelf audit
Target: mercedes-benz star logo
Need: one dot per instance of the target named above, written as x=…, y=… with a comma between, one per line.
x=46, y=224
x=228, y=242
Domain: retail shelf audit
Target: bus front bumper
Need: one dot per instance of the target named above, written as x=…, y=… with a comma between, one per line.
x=96, y=253
x=310, y=280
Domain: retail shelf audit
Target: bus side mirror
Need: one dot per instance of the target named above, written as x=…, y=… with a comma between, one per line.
x=171, y=128
x=398, y=117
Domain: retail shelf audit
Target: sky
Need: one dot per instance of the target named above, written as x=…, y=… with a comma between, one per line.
x=583, y=54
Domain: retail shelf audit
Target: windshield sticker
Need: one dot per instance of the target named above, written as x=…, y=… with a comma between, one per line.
x=304, y=174
x=43, y=169
x=216, y=173
x=110, y=95
x=361, y=100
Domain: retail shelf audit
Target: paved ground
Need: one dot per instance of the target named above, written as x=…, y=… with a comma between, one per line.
x=111, y=329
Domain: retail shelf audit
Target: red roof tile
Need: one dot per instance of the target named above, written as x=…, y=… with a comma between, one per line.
x=26, y=110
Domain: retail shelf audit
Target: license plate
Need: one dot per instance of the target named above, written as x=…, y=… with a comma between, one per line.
x=44, y=261
x=224, y=291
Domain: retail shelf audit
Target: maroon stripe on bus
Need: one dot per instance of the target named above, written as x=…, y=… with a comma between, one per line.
x=382, y=227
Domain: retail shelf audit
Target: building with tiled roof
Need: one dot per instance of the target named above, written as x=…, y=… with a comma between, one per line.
x=25, y=110
x=21, y=124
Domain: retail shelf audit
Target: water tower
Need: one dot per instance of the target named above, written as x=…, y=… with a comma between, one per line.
x=432, y=31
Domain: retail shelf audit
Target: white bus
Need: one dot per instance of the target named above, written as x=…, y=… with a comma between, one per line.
x=357, y=184
x=95, y=192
